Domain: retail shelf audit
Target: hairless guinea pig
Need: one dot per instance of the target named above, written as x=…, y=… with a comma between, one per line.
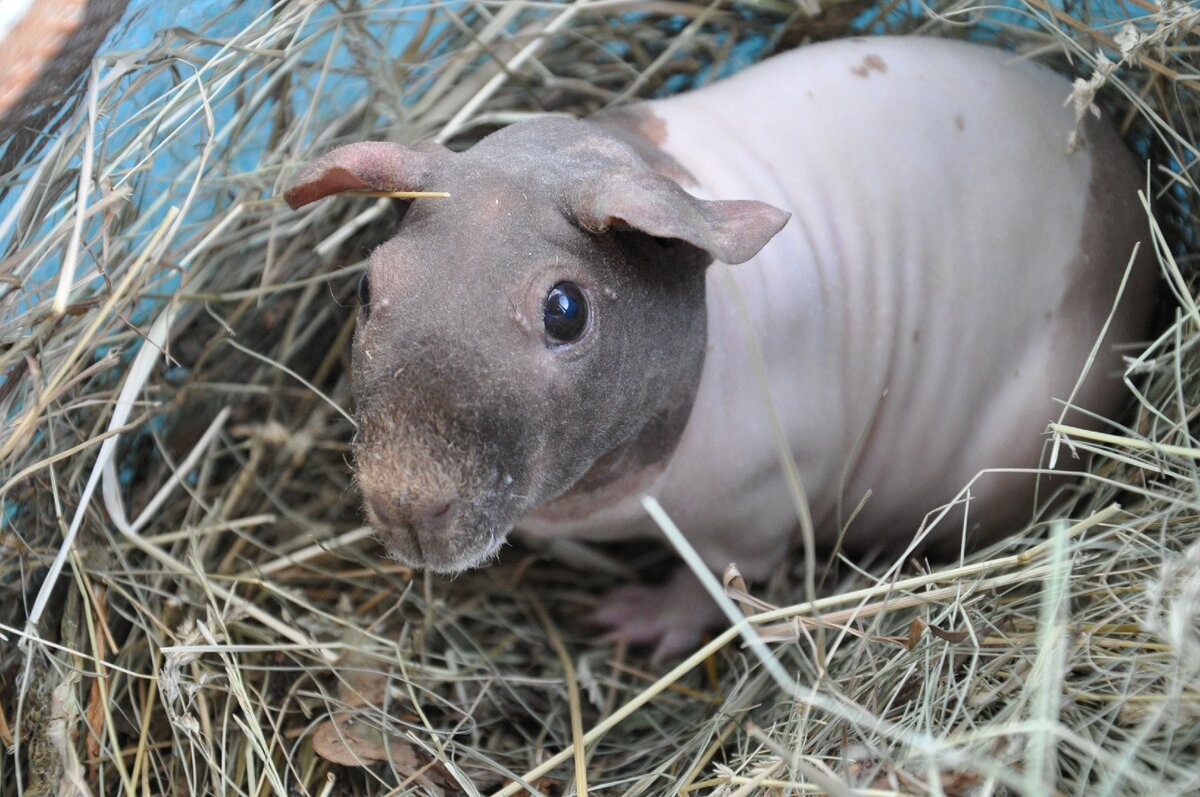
x=925, y=264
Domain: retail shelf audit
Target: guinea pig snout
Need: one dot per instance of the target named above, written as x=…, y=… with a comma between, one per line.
x=429, y=489
x=424, y=532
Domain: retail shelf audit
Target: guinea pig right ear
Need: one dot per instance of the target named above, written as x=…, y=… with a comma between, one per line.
x=363, y=166
x=732, y=231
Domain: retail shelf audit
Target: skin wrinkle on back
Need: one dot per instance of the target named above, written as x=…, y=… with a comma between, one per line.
x=1070, y=337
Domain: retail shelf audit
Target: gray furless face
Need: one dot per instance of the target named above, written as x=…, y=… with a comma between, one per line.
x=547, y=316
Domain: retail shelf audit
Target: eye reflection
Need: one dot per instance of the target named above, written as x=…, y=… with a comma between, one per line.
x=565, y=313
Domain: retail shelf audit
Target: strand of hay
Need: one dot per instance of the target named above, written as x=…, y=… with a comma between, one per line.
x=192, y=607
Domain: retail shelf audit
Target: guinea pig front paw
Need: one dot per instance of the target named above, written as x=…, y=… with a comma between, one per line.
x=671, y=616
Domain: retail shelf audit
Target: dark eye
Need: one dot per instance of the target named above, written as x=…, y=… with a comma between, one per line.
x=565, y=313
x=364, y=291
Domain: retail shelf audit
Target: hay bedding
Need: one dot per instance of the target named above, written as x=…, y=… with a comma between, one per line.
x=218, y=622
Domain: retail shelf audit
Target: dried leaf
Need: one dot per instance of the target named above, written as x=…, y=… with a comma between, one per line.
x=349, y=742
x=735, y=588
x=919, y=626
x=915, y=629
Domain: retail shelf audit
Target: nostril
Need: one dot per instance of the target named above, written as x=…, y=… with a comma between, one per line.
x=423, y=516
x=436, y=516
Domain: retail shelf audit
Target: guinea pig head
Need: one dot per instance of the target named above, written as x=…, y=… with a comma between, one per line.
x=547, y=315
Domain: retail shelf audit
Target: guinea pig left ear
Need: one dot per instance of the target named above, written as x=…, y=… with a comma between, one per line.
x=732, y=231
x=363, y=166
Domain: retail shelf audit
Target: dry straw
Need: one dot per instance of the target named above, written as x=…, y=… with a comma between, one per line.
x=190, y=605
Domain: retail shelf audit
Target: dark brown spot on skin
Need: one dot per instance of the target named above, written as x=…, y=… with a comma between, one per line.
x=916, y=336
x=1049, y=315
x=871, y=63
x=959, y=124
x=1016, y=374
x=652, y=128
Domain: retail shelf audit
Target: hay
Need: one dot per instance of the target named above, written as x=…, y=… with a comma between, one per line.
x=192, y=608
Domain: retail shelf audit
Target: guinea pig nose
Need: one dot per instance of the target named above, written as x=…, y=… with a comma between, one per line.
x=433, y=515
x=420, y=515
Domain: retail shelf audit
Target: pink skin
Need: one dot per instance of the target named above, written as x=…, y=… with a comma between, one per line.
x=671, y=617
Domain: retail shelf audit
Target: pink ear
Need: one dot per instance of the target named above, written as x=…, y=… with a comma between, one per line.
x=732, y=231
x=364, y=166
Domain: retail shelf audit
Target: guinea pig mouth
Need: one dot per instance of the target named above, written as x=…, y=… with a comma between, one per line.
x=412, y=548
x=442, y=538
